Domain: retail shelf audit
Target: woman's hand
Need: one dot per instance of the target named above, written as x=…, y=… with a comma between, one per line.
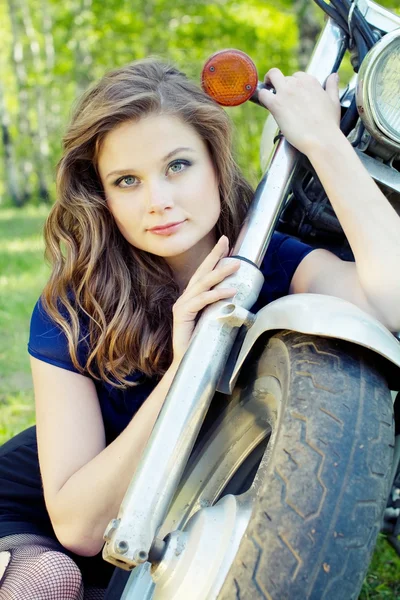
x=306, y=113
x=199, y=294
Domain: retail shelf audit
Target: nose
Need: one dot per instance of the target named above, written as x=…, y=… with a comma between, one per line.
x=159, y=197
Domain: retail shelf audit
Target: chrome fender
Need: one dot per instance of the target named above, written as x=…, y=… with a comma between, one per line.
x=317, y=314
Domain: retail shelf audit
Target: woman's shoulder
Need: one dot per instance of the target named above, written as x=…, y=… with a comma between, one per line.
x=48, y=341
x=286, y=248
x=282, y=258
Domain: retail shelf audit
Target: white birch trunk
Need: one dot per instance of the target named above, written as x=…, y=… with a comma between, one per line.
x=25, y=130
x=10, y=165
x=309, y=29
x=83, y=56
x=41, y=133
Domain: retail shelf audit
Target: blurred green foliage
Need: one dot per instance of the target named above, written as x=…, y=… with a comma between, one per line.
x=51, y=51
x=23, y=273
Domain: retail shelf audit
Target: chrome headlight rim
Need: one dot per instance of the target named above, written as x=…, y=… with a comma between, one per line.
x=365, y=91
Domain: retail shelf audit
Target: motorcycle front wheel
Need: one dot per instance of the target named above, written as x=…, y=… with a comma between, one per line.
x=308, y=432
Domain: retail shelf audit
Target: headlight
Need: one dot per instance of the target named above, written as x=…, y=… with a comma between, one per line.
x=378, y=90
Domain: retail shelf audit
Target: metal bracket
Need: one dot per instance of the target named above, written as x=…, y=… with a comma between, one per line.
x=378, y=16
x=354, y=5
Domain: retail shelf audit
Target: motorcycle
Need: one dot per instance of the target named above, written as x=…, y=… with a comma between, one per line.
x=277, y=488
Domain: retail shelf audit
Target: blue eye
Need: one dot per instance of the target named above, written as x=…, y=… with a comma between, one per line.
x=179, y=165
x=128, y=181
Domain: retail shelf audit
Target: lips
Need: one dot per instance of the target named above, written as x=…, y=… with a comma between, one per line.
x=166, y=227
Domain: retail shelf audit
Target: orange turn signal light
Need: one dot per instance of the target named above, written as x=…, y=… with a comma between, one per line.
x=230, y=77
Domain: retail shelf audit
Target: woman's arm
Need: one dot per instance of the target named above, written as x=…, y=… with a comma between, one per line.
x=308, y=117
x=372, y=228
x=85, y=481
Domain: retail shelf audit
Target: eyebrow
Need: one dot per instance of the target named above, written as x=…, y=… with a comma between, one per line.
x=167, y=157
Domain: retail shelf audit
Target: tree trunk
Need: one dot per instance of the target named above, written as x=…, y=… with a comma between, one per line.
x=41, y=134
x=25, y=131
x=309, y=28
x=83, y=57
x=47, y=23
x=53, y=90
x=10, y=168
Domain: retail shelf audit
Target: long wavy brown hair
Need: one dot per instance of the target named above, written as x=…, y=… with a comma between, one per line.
x=125, y=295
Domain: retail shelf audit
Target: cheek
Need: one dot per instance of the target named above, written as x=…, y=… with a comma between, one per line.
x=208, y=189
x=127, y=218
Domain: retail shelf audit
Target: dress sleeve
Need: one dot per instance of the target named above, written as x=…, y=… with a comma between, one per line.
x=48, y=342
x=283, y=256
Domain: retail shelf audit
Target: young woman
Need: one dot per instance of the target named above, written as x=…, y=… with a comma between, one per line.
x=149, y=199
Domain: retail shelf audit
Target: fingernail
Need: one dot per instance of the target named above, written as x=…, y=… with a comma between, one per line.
x=337, y=77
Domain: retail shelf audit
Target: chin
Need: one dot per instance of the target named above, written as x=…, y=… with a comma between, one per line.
x=174, y=250
x=173, y=245
x=166, y=248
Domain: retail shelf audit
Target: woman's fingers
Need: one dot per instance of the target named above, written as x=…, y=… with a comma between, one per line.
x=209, y=280
x=276, y=78
x=219, y=251
x=267, y=98
x=200, y=301
x=199, y=294
x=332, y=89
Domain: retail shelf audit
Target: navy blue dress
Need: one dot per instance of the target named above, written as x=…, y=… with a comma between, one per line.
x=22, y=508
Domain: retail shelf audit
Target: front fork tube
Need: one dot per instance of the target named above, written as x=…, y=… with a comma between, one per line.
x=131, y=536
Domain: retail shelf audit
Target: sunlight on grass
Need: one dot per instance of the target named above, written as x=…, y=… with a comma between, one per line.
x=15, y=214
x=16, y=413
x=20, y=245
x=23, y=273
x=23, y=282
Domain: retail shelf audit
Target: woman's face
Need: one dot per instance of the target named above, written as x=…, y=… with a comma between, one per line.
x=157, y=172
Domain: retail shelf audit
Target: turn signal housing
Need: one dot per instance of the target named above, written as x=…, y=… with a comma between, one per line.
x=230, y=77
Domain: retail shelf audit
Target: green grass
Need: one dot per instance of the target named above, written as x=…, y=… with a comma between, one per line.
x=23, y=273
x=383, y=578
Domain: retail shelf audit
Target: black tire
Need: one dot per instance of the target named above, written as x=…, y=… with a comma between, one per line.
x=324, y=480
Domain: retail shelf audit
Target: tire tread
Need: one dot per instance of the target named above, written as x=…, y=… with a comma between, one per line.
x=334, y=451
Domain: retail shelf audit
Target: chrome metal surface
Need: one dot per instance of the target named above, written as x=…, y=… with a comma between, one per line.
x=365, y=92
x=149, y=495
x=140, y=585
x=271, y=193
x=111, y=527
x=396, y=455
x=317, y=314
x=267, y=145
x=238, y=437
x=198, y=560
x=378, y=16
x=381, y=172
x=349, y=92
x=215, y=462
